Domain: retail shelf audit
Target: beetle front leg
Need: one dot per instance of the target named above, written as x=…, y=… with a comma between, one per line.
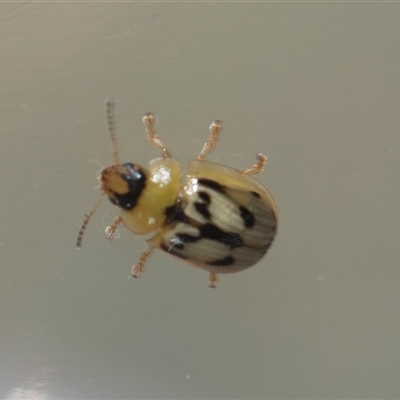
x=149, y=121
x=112, y=229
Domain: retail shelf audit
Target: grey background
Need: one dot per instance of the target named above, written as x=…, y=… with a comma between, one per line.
x=315, y=86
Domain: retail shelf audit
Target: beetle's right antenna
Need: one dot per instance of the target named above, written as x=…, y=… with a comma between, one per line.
x=111, y=127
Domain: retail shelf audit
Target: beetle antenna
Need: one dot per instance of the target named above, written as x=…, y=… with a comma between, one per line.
x=88, y=216
x=111, y=127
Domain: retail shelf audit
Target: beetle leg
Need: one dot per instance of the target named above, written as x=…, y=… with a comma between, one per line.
x=215, y=129
x=258, y=167
x=86, y=221
x=112, y=229
x=212, y=280
x=139, y=267
x=149, y=121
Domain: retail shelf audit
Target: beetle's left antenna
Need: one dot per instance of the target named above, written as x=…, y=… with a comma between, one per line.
x=86, y=221
x=111, y=127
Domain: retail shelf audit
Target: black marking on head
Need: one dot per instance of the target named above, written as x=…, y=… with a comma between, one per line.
x=247, y=217
x=230, y=239
x=135, y=177
x=214, y=185
x=255, y=194
x=223, y=262
x=202, y=209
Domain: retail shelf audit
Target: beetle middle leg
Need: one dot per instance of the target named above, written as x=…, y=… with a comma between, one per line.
x=138, y=268
x=215, y=129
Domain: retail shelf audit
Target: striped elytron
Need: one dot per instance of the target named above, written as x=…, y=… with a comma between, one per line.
x=219, y=219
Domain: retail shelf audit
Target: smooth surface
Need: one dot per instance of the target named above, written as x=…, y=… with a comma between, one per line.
x=314, y=86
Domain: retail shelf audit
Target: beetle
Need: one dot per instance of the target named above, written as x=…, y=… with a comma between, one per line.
x=219, y=219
